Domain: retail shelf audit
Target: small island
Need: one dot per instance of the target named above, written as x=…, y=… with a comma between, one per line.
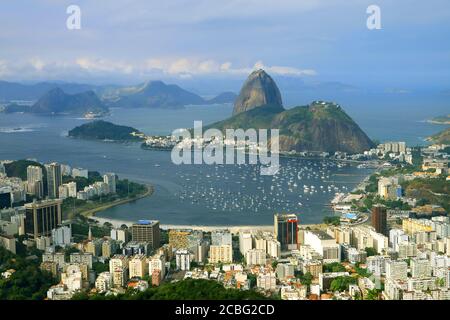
x=103, y=130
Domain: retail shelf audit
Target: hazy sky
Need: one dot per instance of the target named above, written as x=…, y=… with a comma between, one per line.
x=314, y=40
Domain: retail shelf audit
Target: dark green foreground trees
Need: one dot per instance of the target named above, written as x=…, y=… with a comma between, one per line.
x=28, y=282
x=189, y=289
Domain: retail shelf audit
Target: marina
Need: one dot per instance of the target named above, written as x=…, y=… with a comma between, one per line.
x=205, y=195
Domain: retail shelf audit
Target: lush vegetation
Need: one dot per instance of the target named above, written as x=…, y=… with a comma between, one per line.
x=28, y=282
x=442, y=137
x=371, y=251
x=19, y=168
x=370, y=200
x=334, y=220
x=103, y=130
x=80, y=228
x=333, y=267
x=342, y=283
x=189, y=289
x=372, y=185
x=305, y=278
x=363, y=272
x=99, y=267
x=372, y=295
x=125, y=189
x=312, y=127
x=429, y=190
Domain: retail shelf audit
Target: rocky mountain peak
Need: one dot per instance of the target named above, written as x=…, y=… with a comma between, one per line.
x=259, y=90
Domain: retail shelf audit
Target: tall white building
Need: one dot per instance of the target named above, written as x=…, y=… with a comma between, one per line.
x=72, y=278
x=377, y=264
x=396, y=270
x=420, y=268
x=323, y=244
x=397, y=236
x=267, y=281
x=82, y=258
x=119, y=235
x=118, y=267
x=35, y=180
x=223, y=253
x=110, y=180
x=72, y=189
x=138, y=266
x=103, y=282
x=183, y=260
x=274, y=248
x=245, y=242
x=255, y=257
x=157, y=262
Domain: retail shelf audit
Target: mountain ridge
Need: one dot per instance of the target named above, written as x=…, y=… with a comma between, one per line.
x=56, y=101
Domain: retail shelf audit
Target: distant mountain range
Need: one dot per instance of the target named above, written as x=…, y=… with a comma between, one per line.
x=152, y=94
x=225, y=97
x=17, y=91
x=320, y=126
x=56, y=101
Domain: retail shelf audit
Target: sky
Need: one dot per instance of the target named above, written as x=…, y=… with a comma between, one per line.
x=205, y=41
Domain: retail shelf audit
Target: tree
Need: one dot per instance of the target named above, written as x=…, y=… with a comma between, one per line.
x=99, y=267
x=28, y=282
x=341, y=283
x=108, y=224
x=333, y=267
x=251, y=280
x=371, y=251
x=191, y=289
x=80, y=296
x=306, y=279
x=362, y=272
x=372, y=295
x=332, y=220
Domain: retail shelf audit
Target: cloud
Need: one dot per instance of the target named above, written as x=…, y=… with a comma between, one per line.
x=285, y=71
x=185, y=66
x=37, y=63
x=104, y=65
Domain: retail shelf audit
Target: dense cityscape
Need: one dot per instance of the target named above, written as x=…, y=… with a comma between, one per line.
x=389, y=239
x=224, y=159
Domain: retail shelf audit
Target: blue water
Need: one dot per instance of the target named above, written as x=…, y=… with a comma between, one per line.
x=199, y=194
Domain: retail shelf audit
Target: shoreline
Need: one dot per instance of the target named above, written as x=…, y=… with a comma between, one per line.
x=92, y=212
x=207, y=228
